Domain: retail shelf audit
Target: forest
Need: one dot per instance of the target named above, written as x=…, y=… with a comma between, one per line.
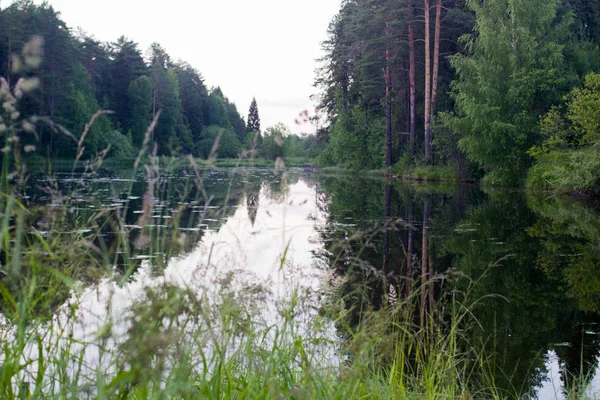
x=79, y=75
x=503, y=91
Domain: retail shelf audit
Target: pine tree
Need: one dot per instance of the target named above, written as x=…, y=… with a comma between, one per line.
x=194, y=99
x=253, y=124
x=140, y=96
x=128, y=65
x=171, y=132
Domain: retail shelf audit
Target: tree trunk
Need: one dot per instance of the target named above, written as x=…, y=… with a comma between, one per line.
x=154, y=107
x=9, y=61
x=388, y=116
x=388, y=101
x=412, y=82
x=387, y=227
x=409, y=252
x=51, y=96
x=427, y=84
x=436, y=53
x=425, y=261
x=431, y=285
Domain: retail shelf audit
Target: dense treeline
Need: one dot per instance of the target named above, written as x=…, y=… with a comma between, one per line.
x=80, y=75
x=451, y=82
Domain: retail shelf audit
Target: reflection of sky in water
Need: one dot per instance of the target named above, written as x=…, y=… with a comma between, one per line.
x=551, y=388
x=251, y=252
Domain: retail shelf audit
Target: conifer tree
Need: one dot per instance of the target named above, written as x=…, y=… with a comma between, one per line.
x=253, y=124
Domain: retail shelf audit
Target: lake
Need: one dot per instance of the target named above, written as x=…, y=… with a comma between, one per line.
x=527, y=266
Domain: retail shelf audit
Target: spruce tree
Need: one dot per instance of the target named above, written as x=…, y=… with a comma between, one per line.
x=253, y=124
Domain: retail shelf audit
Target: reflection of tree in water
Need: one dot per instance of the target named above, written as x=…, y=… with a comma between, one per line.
x=569, y=232
x=373, y=240
x=536, y=314
x=351, y=236
x=253, y=199
x=277, y=189
x=469, y=232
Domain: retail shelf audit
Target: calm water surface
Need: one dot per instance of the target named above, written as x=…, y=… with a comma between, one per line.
x=539, y=255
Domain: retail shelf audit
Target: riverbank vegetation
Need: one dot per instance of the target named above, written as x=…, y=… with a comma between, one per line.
x=465, y=85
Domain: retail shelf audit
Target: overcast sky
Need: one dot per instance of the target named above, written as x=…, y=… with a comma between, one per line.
x=262, y=48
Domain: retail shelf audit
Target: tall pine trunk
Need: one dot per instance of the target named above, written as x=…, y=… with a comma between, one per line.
x=388, y=112
x=427, y=84
x=409, y=253
x=154, y=105
x=425, y=260
x=387, y=227
x=9, y=62
x=388, y=100
x=412, y=81
x=436, y=53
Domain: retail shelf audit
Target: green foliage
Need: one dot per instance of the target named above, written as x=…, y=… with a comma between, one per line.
x=587, y=24
x=253, y=141
x=510, y=76
x=567, y=226
x=273, y=142
x=79, y=76
x=194, y=98
x=354, y=146
x=236, y=121
x=121, y=146
x=303, y=147
x=253, y=123
x=567, y=158
x=426, y=173
x=365, y=41
x=141, y=98
x=224, y=141
x=566, y=170
x=217, y=110
x=128, y=65
x=171, y=133
x=80, y=106
x=584, y=109
x=555, y=133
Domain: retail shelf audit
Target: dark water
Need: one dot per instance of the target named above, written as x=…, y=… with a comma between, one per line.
x=537, y=255
x=530, y=262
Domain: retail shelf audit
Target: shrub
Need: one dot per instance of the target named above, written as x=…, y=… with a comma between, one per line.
x=228, y=147
x=566, y=171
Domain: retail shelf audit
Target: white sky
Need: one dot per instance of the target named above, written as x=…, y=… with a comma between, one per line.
x=262, y=48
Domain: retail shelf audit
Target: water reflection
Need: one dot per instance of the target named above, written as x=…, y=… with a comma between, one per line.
x=539, y=261
x=376, y=242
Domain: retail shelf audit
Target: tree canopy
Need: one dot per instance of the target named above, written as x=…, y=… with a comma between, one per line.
x=80, y=75
x=420, y=83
